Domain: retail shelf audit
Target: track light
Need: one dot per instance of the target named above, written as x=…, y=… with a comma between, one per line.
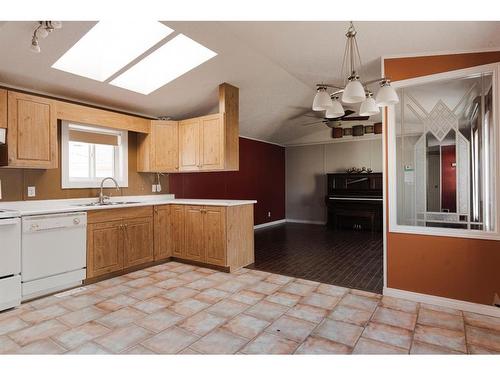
x=43, y=29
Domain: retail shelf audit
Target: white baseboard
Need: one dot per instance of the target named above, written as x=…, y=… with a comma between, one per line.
x=443, y=301
x=305, y=221
x=270, y=224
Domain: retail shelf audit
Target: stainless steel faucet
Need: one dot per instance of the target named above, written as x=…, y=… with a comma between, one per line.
x=103, y=198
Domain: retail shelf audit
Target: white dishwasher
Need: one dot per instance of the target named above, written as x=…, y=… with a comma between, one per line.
x=53, y=253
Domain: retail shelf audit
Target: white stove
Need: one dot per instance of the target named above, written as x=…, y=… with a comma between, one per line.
x=10, y=259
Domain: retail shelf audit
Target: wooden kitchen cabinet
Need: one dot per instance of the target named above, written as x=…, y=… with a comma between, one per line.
x=31, y=132
x=194, y=245
x=176, y=226
x=137, y=241
x=214, y=235
x=3, y=108
x=162, y=232
x=104, y=248
x=189, y=145
x=158, y=151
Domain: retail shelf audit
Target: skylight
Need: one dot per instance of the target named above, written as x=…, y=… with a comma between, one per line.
x=173, y=59
x=109, y=46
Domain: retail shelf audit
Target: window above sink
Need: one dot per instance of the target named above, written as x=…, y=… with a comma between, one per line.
x=90, y=153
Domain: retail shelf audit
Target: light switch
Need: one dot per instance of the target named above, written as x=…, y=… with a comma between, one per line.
x=31, y=191
x=153, y=188
x=0, y=189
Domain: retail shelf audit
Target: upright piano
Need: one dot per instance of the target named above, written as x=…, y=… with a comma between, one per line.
x=355, y=201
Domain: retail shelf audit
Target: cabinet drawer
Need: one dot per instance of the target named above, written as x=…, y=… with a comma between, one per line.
x=99, y=216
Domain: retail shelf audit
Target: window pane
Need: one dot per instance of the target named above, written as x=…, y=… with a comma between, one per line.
x=445, y=154
x=104, y=161
x=79, y=160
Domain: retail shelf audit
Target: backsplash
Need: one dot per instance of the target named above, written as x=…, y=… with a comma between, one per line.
x=15, y=182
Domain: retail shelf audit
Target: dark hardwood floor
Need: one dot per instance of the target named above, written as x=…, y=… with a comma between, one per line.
x=314, y=252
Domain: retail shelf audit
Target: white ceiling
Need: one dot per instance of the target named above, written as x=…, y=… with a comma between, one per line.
x=275, y=65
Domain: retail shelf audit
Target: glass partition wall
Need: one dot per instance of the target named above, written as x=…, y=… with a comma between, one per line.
x=443, y=140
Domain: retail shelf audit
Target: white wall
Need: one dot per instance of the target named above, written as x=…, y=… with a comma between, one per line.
x=306, y=169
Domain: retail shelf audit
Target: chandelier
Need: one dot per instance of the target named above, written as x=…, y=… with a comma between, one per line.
x=353, y=90
x=43, y=29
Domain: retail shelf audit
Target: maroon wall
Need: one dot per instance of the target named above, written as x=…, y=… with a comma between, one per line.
x=448, y=178
x=261, y=177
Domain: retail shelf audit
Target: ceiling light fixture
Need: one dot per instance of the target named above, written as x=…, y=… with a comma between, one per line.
x=43, y=29
x=354, y=90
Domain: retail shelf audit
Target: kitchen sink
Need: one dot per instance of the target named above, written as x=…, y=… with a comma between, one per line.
x=93, y=204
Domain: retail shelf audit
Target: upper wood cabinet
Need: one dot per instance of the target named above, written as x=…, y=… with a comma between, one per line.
x=31, y=132
x=3, y=108
x=158, y=151
x=189, y=145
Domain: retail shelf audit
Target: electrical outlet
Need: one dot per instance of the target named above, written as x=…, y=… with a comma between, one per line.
x=0, y=189
x=269, y=214
x=153, y=188
x=158, y=188
x=31, y=191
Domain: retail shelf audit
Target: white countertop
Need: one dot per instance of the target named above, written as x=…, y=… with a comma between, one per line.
x=51, y=206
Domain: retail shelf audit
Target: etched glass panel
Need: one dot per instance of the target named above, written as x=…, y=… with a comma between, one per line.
x=445, y=154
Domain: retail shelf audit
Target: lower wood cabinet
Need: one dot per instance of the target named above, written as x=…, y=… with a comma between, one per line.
x=194, y=246
x=118, y=239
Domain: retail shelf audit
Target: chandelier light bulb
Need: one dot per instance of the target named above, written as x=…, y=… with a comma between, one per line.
x=354, y=92
x=42, y=32
x=56, y=24
x=35, y=47
x=368, y=106
x=322, y=100
x=336, y=110
x=386, y=95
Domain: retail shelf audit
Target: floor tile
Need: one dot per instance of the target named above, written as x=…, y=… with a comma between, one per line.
x=441, y=308
x=123, y=338
x=139, y=350
x=153, y=304
x=267, y=310
x=231, y=286
x=120, y=318
x=116, y=303
x=114, y=291
x=219, y=341
x=7, y=345
x=474, y=349
x=320, y=300
x=399, y=304
x=267, y=343
x=307, y=312
x=45, y=346
x=482, y=321
x=424, y=348
x=191, y=276
x=146, y=292
x=227, y=308
x=163, y=275
x=365, y=293
x=211, y=296
x=80, y=302
x=391, y=335
x=179, y=293
x=221, y=277
x=159, y=320
x=82, y=316
x=291, y=328
x=264, y=287
x=202, y=284
x=454, y=340
x=139, y=283
x=138, y=274
x=202, y=323
x=171, y=283
x=340, y=332
x=249, y=279
x=188, y=307
x=359, y=302
x=170, y=341
x=47, y=313
x=89, y=348
x=37, y=332
x=320, y=345
x=483, y=337
x=247, y=296
x=113, y=282
x=350, y=315
x=246, y=326
x=395, y=318
x=298, y=288
x=440, y=319
x=75, y=337
x=11, y=324
x=332, y=290
x=279, y=279
x=367, y=346
x=282, y=298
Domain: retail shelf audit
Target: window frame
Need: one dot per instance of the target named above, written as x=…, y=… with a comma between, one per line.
x=390, y=125
x=120, y=159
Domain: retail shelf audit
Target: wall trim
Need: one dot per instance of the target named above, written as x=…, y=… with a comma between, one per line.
x=338, y=140
x=261, y=140
x=298, y=221
x=438, y=53
x=269, y=224
x=443, y=301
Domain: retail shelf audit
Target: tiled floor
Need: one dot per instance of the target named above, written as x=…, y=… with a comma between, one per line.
x=314, y=252
x=177, y=308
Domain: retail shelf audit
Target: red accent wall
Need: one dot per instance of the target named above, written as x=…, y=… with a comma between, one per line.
x=261, y=177
x=448, y=178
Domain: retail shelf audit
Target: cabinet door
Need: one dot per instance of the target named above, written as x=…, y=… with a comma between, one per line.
x=137, y=241
x=3, y=108
x=214, y=234
x=212, y=143
x=162, y=244
x=104, y=248
x=189, y=145
x=193, y=233
x=32, y=131
x=176, y=234
x=165, y=146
